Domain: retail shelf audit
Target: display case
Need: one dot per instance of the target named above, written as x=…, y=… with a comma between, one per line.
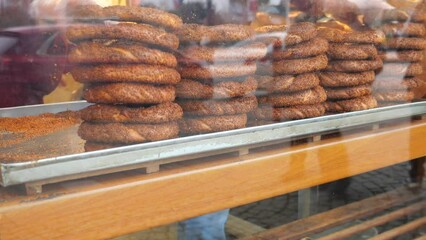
x=238, y=119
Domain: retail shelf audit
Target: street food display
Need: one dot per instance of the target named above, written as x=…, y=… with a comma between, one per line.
x=151, y=77
x=162, y=87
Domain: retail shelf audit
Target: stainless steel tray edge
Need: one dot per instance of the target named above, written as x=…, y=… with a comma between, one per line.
x=17, y=173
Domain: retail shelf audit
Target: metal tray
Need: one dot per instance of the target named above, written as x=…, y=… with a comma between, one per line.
x=117, y=158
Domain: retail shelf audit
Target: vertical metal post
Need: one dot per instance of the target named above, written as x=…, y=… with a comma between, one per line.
x=307, y=202
x=308, y=198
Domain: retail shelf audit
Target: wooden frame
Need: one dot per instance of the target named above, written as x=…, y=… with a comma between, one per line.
x=117, y=204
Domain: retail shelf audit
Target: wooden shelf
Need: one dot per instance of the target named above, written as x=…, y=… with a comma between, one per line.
x=117, y=204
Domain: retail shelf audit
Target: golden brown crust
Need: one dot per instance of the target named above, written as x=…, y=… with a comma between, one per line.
x=351, y=105
x=238, y=53
x=196, y=90
x=160, y=113
x=341, y=79
x=348, y=92
x=401, y=56
x=95, y=146
x=130, y=14
x=354, y=65
x=213, y=71
x=404, y=29
x=230, y=106
x=212, y=124
x=288, y=83
x=283, y=35
x=134, y=32
x=125, y=73
x=130, y=93
x=361, y=37
x=394, y=96
x=289, y=113
x=399, y=70
x=118, y=52
x=309, y=48
x=392, y=83
x=345, y=51
x=293, y=66
x=127, y=133
x=307, y=97
x=405, y=43
x=214, y=34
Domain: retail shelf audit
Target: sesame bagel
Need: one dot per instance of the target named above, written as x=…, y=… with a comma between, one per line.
x=127, y=133
x=159, y=113
x=120, y=52
x=193, y=89
x=134, y=32
x=289, y=113
x=230, y=106
x=351, y=105
x=209, y=124
x=130, y=93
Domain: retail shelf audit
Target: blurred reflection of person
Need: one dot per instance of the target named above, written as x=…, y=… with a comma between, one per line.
x=206, y=227
x=20, y=91
x=53, y=11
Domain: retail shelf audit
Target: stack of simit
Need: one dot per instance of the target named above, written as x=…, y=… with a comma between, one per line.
x=130, y=74
x=402, y=53
x=350, y=72
x=288, y=75
x=217, y=64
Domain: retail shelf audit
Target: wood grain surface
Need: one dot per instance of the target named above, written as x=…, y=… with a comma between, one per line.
x=113, y=205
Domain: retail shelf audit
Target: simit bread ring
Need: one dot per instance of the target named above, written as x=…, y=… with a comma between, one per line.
x=127, y=133
x=401, y=56
x=345, y=51
x=405, y=43
x=196, y=90
x=288, y=83
x=212, y=124
x=230, y=106
x=354, y=65
x=341, y=79
x=362, y=37
x=400, y=70
x=294, y=66
x=282, y=35
x=404, y=29
x=214, y=34
x=309, y=48
x=351, y=105
x=394, y=96
x=125, y=73
x=213, y=71
x=238, y=53
x=160, y=113
x=130, y=93
x=306, y=97
x=348, y=92
x=397, y=84
x=289, y=113
x=130, y=14
x=118, y=52
x=134, y=32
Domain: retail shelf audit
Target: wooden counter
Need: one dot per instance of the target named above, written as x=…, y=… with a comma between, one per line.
x=117, y=204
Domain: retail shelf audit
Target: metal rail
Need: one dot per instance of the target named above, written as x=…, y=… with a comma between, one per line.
x=38, y=170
